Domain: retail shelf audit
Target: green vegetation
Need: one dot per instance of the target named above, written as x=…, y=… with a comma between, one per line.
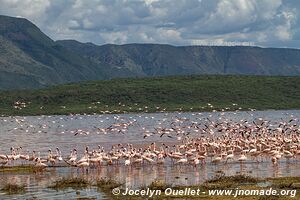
x=230, y=182
x=104, y=185
x=11, y=189
x=186, y=93
x=75, y=183
x=107, y=184
x=223, y=182
x=286, y=182
x=20, y=169
x=242, y=182
x=158, y=185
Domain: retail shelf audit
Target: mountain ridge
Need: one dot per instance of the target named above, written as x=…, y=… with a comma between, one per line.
x=31, y=59
x=221, y=60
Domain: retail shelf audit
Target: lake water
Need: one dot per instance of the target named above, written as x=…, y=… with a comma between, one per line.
x=40, y=133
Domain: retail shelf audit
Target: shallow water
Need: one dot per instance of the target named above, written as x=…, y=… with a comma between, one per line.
x=44, y=132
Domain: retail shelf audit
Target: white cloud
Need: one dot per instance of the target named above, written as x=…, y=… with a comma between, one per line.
x=73, y=24
x=115, y=37
x=282, y=33
x=32, y=9
x=178, y=22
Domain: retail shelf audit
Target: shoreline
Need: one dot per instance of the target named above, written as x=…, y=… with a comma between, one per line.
x=238, y=185
x=24, y=114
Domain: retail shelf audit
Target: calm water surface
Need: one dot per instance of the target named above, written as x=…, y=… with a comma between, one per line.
x=43, y=132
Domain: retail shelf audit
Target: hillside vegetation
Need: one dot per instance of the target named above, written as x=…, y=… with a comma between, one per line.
x=187, y=93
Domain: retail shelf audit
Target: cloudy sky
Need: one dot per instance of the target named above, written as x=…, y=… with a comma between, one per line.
x=269, y=23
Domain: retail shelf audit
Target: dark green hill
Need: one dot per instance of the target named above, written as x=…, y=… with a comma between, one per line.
x=146, y=94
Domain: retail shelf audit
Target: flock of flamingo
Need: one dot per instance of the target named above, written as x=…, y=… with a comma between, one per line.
x=189, y=143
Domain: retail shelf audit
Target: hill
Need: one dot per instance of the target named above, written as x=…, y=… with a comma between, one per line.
x=165, y=60
x=188, y=93
x=30, y=59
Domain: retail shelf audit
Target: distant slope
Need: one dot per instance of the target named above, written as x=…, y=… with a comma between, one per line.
x=157, y=94
x=162, y=60
x=27, y=52
x=17, y=69
x=30, y=59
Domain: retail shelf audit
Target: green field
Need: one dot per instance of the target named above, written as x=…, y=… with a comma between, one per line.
x=186, y=93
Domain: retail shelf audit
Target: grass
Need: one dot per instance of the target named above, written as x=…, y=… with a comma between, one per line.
x=221, y=181
x=11, y=189
x=286, y=182
x=158, y=185
x=186, y=93
x=233, y=182
x=104, y=184
x=20, y=169
x=107, y=184
x=75, y=183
